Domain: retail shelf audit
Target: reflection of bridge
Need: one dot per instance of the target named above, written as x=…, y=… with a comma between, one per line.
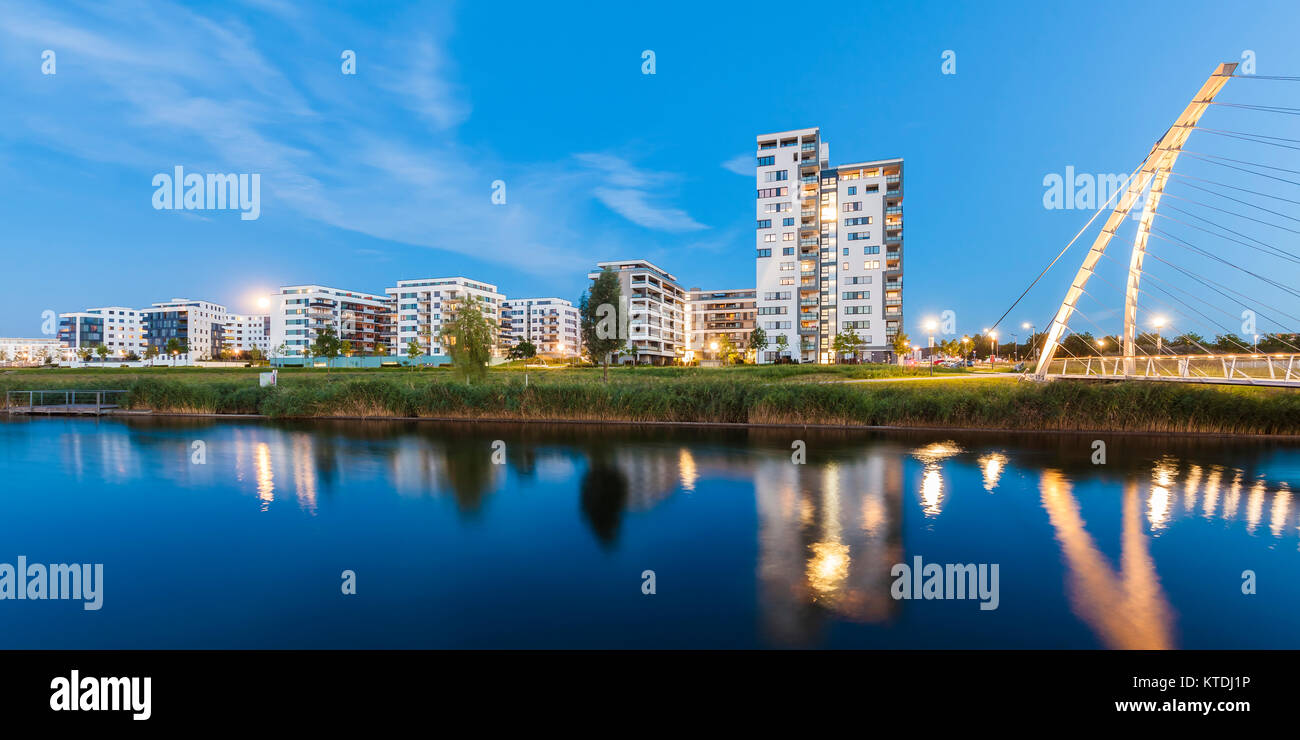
x=1230, y=359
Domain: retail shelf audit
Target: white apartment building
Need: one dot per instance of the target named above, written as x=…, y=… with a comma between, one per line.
x=830, y=248
x=118, y=328
x=199, y=326
x=22, y=351
x=656, y=308
x=551, y=324
x=298, y=312
x=423, y=305
x=714, y=314
x=248, y=333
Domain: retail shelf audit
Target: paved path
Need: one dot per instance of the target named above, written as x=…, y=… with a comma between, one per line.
x=941, y=376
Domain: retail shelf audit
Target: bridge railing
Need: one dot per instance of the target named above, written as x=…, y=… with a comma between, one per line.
x=1237, y=368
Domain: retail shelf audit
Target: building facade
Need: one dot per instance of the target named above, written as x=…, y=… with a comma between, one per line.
x=199, y=327
x=300, y=312
x=23, y=351
x=118, y=328
x=714, y=314
x=829, y=248
x=551, y=324
x=248, y=333
x=655, y=310
x=423, y=305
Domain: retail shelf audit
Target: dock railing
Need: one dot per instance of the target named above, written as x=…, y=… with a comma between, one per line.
x=62, y=401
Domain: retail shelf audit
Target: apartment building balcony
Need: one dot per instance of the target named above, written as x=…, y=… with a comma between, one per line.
x=892, y=179
x=894, y=238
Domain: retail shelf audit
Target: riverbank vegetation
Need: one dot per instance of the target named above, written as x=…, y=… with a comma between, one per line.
x=786, y=394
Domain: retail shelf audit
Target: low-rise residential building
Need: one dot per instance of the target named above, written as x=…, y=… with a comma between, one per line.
x=713, y=315
x=423, y=305
x=299, y=312
x=198, y=326
x=655, y=305
x=248, y=333
x=550, y=324
x=120, y=329
x=23, y=351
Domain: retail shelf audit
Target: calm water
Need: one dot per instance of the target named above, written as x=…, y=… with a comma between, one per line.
x=547, y=548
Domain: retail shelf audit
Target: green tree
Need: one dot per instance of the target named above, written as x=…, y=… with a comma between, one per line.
x=1229, y=343
x=413, y=351
x=524, y=350
x=102, y=352
x=629, y=350
x=726, y=349
x=468, y=339
x=381, y=349
x=327, y=345
x=151, y=352
x=345, y=348
x=845, y=342
x=757, y=341
x=902, y=344
x=599, y=312
x=782, y=345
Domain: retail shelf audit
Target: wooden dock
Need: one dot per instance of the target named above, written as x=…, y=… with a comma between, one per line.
x=63, y=402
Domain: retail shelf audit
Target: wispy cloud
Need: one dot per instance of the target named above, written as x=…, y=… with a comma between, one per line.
x=741, y=164
x=146, y=86
x=636, y=194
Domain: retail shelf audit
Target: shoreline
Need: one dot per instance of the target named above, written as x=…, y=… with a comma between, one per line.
x=128, y=413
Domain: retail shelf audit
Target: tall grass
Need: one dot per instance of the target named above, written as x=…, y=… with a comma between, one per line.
x=661, y=397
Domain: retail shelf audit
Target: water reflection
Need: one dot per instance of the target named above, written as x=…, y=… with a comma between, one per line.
x=1126, y=609
x=827, y=532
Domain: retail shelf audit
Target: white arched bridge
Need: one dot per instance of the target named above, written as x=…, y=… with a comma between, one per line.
x=1214, y=230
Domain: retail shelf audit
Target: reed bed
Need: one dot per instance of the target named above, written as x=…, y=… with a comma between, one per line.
x=975, y=404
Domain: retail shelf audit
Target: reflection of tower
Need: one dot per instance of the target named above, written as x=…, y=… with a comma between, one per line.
x=1127, y=610
x=828, y=535
x=653, y=474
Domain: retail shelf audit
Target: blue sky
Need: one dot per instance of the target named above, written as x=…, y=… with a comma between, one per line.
x=388, y=174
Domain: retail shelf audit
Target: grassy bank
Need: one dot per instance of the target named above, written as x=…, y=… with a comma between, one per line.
x=749, y=395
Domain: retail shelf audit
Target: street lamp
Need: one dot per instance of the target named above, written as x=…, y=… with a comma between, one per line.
x=1158, y=322
x=714, y=346
x=929, y=328
x=1032, y=332
x=1015, y=347
x=993, y=347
